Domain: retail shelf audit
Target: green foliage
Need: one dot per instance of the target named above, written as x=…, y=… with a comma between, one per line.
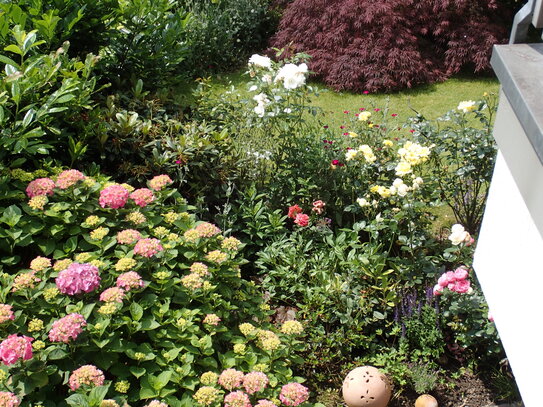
x=423, y=335
x=156, y=340
x=41, y=98
x=423, y=378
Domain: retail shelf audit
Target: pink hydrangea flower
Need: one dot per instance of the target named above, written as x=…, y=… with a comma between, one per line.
x=40, y=263
x=40, y=186
x=461, y=273
x=159, y=182
x=206, y=229
x=6, y=313
x=230, y=379
x=112, y=294
x=148, y=247
x=68, y=178
x=211, y=319
x=78, y=278
x=128, y=236
x=87, y=375
x=302, y=220
x=114, y=196
x=15, y=347
x=129, y=281
x=254, y=382
x=293, y=394
x=142, y=197
x=237, y=399
x=66, y=328
x=265, y=403
x=8, y=399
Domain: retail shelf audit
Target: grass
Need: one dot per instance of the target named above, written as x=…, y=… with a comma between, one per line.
x=431, y=100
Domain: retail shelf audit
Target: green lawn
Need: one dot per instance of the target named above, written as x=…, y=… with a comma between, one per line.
x=430, y=100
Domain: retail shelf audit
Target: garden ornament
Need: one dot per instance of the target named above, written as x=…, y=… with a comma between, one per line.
x=426, y=401
x=366, y=386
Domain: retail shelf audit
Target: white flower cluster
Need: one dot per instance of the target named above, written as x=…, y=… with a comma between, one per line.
x=293, y=76
x=262, y=102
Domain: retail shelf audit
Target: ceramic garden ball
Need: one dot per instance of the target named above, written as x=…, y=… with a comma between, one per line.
x=366, y=386
x=426, y=401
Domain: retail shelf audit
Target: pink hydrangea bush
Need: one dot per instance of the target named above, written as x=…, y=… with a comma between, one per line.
x=237, y=399
x=129, y=281
x=66, y=328
x=142, y=197
x=8, y=399
x=231, y=379
x=114, y=197
x=254, y=382
x=159, y=182
x=112, y=294
x=128, y=236
x=6, y=313
x=15, y=347
x=78, y=278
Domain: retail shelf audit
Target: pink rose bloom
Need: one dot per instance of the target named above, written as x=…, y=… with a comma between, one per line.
x=8, y=399
x=78, y=278
x=318, y=207
x=293, y=211
x=469, y=240
x=302, y=219
x=461, y=273
x=159, y=182
x=114, y=196
x=443, y=280
x=40, y=186
x=438, y=289
x=129, y=281
x=237, y=399
x=15, y=347
x=142, y=197
x=68, y=178
x=148, y=247
x=293, y=394
x=461, y=286
x=66, y=328
x=87, y=375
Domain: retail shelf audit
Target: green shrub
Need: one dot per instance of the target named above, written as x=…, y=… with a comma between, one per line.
x=42, y=99
x=153, y=338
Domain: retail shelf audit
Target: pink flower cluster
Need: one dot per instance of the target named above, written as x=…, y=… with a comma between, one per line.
x=15, y=347
x=293, y=211
x=159, y=182
x=128, y=236
x=148, y=247
x=114, y=196
x=301, y=220
x=211, y=319
x=318, y=207
x=68, y=178
x=6, y=313
x=40, y=186
x=87, y=375
x=142, y=197
x=130, y=280
x=453, y=280
x=237, y=399
x=254, y=382
x=293, y=394
x=112, y=294
x=8, y=399
x=231, y=379
x=265, y=403
x=66, y=328
x=78, y=278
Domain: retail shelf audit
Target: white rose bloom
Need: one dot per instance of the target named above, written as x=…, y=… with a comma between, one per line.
x=467, y=106
x=287, y=110
x=293, y=76
x=350, y=155
x=259, y=60
x=397, y=182
x=267, y=78
x=362, y=202
x=260, y=110
x=458, y=234
x=253, y=88
x=393, y=190
x=403, y=190
x=261, y=99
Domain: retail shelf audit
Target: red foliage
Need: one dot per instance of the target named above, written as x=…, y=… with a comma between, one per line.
x=388, y=45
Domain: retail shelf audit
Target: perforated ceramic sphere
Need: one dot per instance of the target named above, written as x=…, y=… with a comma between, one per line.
x=366, y=386
x=426, y=401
